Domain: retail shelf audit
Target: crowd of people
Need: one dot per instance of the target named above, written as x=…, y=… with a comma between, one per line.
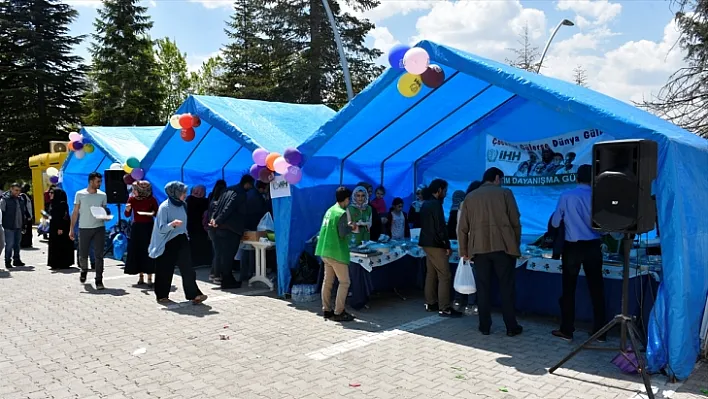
x=487, y=224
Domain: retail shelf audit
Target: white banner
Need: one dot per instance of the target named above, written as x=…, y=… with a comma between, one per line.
x=549, y=161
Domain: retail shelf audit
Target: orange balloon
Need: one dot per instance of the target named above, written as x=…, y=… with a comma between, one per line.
x=70, y=146
x=270, y=159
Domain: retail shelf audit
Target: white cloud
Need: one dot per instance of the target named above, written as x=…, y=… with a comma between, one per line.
x=600, y=11
x=194, y=62
x=84, y=3
x=214, y=3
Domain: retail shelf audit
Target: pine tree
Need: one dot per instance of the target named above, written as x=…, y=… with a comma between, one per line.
x=527, y=55
x=172, y=65
x=41, y=82
x=206, y=80
x=684, y=98
x=126, y=87
x=580, y=76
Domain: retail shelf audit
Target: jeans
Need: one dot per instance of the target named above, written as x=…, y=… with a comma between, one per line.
x=12, y=245
x=92, y=238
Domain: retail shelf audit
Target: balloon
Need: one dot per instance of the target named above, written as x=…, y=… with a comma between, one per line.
x=78, y=145
x=409, y=85
x=259, y=156
x=293, y=156
x=115, y=166
x=255, y=171
x=174, y=122
x=395, y=56
x=416, y=60
x=186, y=121
x=89, y=148
x=187, y=134
x=54, y=179
x=80, y=154
x=196, y=121
x=85, y=140
x=70, y=146
x=281, y=165
x=73, y=136
x=128, y=179
x=132, y=162
x=270, y=159
x=265, y=175
x=294, y=175
x=52, y=171
x=127, y=168
x=138, y=173
x=433, y=77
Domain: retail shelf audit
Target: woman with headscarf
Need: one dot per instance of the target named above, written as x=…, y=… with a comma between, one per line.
x=214, y=196
x=61, y=247
x=197, y=204
x=359, y=213
x=457, y=198
x=169, y=246
x=414, y=210
x=143, y=207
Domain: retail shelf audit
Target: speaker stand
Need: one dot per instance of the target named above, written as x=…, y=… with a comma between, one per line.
x=624, y=320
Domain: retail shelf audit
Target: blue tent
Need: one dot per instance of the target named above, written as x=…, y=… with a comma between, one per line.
x=229, y=132
x=112, y=144
x=383, y=137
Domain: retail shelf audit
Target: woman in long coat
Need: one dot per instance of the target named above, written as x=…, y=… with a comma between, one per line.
x=143, y=207
x=61, y=247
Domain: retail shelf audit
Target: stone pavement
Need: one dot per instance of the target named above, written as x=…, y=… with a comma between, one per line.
x=63, y=339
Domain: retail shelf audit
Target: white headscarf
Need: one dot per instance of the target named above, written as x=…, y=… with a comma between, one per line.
x=354, y=203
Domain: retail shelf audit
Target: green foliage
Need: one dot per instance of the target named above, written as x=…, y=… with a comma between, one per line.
x=126, y=86
x=206, y=80
x=41, y=82
x=172, y=66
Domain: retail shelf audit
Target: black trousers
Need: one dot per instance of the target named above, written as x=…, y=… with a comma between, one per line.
x=176, y=253
x=589, y=255
x=226, y=244
x=504, y=266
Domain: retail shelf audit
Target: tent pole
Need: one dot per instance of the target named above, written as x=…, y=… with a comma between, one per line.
x=192, y=152
x=340, y=48
x=223, y=168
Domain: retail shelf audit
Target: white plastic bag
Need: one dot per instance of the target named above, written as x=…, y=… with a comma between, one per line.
x=266, y=223
x=464, y=278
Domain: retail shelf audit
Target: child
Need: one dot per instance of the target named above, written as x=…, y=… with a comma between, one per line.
x=380, y=204
x=397, y=226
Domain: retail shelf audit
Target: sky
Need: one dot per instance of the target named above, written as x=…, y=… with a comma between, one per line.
x=628, y=48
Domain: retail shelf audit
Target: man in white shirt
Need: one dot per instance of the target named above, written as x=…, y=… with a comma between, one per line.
x=91, y=230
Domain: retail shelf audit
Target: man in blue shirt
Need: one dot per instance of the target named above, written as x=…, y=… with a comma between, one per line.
x=582, y=246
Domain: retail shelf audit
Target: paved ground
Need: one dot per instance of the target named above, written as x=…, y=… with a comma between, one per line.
x=63, y=339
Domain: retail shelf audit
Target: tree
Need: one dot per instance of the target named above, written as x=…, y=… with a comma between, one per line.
x=41, y=81
x=684, y=98
x=206, y=80
x=580, y=76
x=172, y=65
x=527, y=55
x=126, y=86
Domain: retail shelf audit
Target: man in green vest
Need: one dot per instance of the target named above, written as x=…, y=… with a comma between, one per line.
x=333, y=248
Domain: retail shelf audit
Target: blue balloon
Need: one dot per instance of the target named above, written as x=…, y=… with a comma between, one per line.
x=395, y=56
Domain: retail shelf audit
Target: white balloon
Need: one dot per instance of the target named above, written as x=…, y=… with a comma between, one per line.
x=174, y=122
x=52, y=171
x=115, y=166
x=416, y=60
x=80, y=154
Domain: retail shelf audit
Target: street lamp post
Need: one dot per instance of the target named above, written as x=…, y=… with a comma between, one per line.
x=565, y=22
x=340, y=48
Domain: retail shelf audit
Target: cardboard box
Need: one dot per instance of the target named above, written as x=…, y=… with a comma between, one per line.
x=253, y=235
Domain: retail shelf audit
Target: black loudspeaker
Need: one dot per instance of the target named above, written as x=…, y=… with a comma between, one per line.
x=116, y=189
x=623, y=172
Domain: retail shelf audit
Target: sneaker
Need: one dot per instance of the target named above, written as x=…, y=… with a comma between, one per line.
x=432, y=308
x=99, y=286
x=514, y=331
x=344, y=316
x=8, y=265
x=450, y=312
x=328, y=314
x=560, y=334
x=484, y=332
x=18, y=263
x=82, y=277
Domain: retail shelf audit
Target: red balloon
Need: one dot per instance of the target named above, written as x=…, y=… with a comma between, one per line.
x=265, y=175
x=128, y=179
x=196, y=121
x=186, y=121
x=187, y=134
x=433, y=77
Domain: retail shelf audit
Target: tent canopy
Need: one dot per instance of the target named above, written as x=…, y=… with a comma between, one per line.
x=229, y=132
x=383, y=137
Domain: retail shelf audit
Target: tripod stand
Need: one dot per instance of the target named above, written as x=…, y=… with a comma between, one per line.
x=624, y=320
x=119, y=227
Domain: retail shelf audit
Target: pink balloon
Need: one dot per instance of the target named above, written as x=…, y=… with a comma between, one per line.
x=259, y=156
x=137, y=173
x=294, y=175
x=74, y=136
x=281, y=165
x=416, y=60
